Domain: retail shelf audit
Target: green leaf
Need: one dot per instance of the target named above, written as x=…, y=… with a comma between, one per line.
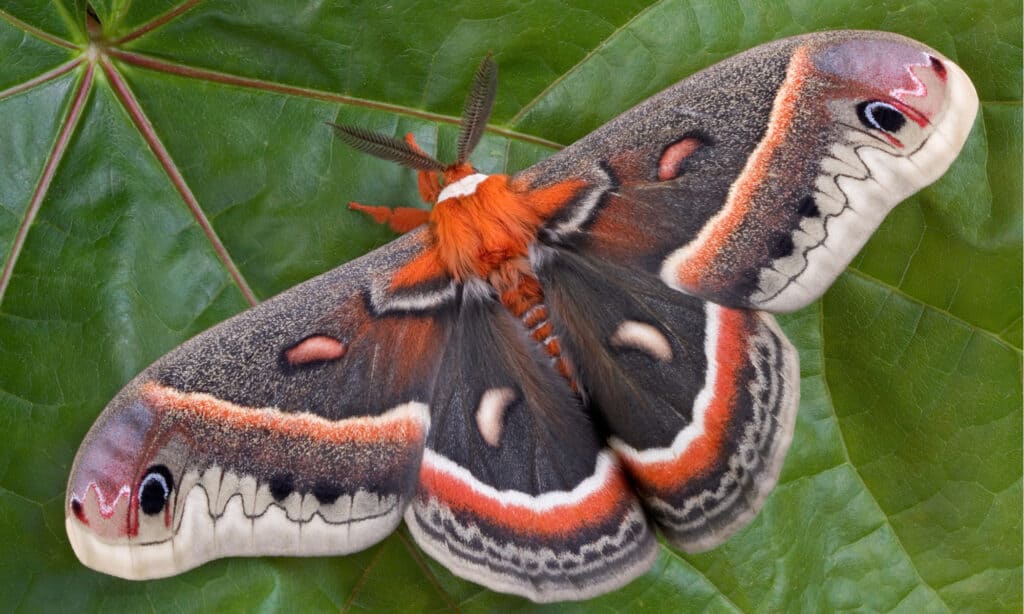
x=158, y=179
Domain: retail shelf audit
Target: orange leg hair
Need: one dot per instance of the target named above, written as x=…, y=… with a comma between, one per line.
x=429, y=182
x=404, y=219
x=399, y=219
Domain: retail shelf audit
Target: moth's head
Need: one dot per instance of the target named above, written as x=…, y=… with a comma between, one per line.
x=817, y=137
x=122, y=488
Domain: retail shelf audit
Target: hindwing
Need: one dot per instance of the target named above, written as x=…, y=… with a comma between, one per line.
x=517, y=490
x=699, y=400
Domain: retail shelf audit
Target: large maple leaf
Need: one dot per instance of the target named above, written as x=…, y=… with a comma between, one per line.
x=167, y=165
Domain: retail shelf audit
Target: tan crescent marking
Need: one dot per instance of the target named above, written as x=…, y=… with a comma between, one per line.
x=643, y=337
x=491, y=412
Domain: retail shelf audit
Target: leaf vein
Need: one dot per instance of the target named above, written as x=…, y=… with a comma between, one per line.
x=418, y=558
x=991, y=335
x=158, y=21
x=729, y=602
x=362, y=579
x=144, y=126
x=36, y=32
x=191, y=72
x=856, y=470
x=49, y=171
x=41, y=79
x=590, y=54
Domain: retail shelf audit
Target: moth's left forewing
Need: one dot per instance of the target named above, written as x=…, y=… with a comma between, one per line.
x=755, y=182
x=294, y=428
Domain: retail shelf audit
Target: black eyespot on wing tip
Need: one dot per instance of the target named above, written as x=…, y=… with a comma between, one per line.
x=879, y=115
x=151, y=499
x=155, y=489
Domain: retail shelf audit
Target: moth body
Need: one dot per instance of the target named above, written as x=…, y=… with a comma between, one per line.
x=481, y=230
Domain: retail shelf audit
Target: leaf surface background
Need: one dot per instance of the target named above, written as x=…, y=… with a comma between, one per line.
x=160, y=178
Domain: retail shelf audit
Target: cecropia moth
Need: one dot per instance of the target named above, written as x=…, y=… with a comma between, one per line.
x=552, y=366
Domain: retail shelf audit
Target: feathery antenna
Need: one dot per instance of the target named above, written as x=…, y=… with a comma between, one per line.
x=386, y=147
x=478, y=107
x=472, y=126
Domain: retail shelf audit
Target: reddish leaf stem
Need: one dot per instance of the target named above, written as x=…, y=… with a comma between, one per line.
x=131, y=104
x=418, y=558
x=43, y=78
x=36, y=32
x=291, y=90
x=167, y=17
x=56, y=154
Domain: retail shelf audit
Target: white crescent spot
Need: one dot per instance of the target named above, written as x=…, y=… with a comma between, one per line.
x=643, y=337
x=491, y=411
x=463, y=187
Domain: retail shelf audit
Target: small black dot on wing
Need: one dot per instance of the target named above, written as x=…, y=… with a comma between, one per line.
x=326, y=493
x=783, y=246
x=807, y=207
x=281, y=485
x=745, y=284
